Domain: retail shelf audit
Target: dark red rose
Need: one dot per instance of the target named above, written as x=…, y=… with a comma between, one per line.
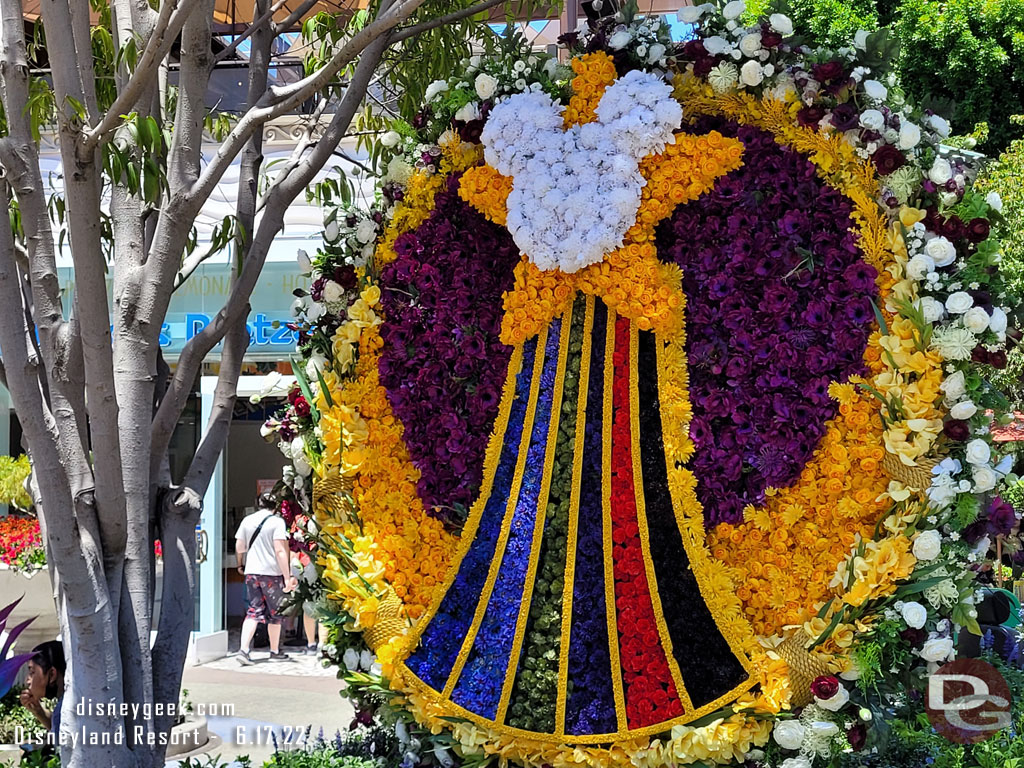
x=825, y=687
x=346, y=277
x=829, y=71
x=887, y=159
x=809, y=117
x=954, y=228
x=317, y=289
x=301, y=407
x=915, y=637
x=956, y=429
x=978, y=230
x=1001, y=517
x=770, y=38
x=997, y=359
x=845, y=117
x=858, y=736
x=293, y=394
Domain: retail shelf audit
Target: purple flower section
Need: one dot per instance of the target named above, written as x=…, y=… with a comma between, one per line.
x=442, y=363
x=434, y=658
x=590, y=708
x=778, y=306
x=479, y=686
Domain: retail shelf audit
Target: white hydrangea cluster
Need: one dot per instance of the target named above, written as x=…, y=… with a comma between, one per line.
x=576, y=193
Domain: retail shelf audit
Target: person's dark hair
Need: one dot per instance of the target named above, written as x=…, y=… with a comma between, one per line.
x=50, y=655
x=266, y=501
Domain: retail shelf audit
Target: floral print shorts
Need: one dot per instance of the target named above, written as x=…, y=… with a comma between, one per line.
x=264, y=595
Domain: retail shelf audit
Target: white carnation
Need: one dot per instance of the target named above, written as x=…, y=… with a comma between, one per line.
x=995, y=202
x=751, y=44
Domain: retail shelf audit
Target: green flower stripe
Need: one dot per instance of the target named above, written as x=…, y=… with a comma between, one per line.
x=532, y=705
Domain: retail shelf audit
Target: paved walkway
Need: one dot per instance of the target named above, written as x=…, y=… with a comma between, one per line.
x=247, y=708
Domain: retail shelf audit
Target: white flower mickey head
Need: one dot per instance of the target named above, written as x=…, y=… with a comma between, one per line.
x=576, y=193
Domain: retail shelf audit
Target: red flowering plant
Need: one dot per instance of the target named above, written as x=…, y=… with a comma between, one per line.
x=21, y=543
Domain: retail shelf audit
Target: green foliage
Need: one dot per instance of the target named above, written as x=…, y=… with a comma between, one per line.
x=1004, y=176
x=831, y=23
x=970, y=52
x=13, y=715
x=13, y=474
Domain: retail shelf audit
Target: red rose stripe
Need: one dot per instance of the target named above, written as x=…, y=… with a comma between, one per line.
x=651, y=696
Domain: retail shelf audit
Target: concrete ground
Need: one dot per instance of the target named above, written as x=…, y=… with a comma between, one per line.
x=248, y=707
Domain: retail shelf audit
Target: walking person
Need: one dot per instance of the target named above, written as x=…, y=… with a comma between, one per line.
x=261, y=546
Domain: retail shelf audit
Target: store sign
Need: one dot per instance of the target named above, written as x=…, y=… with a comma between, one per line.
x=201, y=297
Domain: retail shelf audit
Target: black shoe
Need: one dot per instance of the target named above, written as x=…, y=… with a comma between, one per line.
x=311, y=650
x=279, y=656
x=245, y=659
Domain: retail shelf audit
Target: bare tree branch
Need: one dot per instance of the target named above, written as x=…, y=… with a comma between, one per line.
x=191, y=263
x=173, y=15
x=279, y=101
x=417, y=29
x=286, y=23
x=249, y=30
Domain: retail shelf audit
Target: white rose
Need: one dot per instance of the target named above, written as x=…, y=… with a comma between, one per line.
x=910, y=135
x=366, y=231
x=919, y=266
x=937, y=649
x=985, y=479
x=959, y=302
x=837, y=702
x=940, y=172
x=350, y=659
x=942, y=251
x=391, y=139
x=734, y=9
x=751, y=44
x=468, y=112
x=927, y=545
x=860, y=39
x=978, y=452
x=875, y=90
x=796, y=762
x=485, y=85
x=872, y=119
x=619, y=39
x=954, y=386
x=751, y=73
x=691, y=14
x=435, y=89
x=995, y=202
x=939, y=125
x=931, y=309
x=781, y=23
x=716, y=45
x=914, y=614
x=656, y=53
x=963, y=410
x=998, y=320
x=789, y=734
x=976, y=320
x=333, y=292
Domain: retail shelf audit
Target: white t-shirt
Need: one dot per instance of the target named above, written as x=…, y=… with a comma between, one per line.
x=260, y=559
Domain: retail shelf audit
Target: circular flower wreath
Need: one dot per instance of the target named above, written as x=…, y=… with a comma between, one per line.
x=842, y=304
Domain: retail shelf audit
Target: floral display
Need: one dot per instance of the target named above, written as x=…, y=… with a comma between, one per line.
x=646, y=408
x=21, y=543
